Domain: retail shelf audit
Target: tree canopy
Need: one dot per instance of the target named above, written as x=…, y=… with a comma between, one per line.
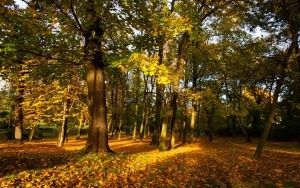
x=188, y=66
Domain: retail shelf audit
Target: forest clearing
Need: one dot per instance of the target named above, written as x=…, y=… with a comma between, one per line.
x=225, y=162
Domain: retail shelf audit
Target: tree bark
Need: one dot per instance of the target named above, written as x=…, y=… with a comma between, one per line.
x=136, y=122
x=31, y=133
x=192, y=124
x=164, y=130
x=145, y=112
x=284, y=65
x=210, y=125
x=158, y=104
x=80, y=127
x=94, y=66
x=97, y=135
x=268, y=125
x=62, y=136
x=19, y=109
x=173, y=119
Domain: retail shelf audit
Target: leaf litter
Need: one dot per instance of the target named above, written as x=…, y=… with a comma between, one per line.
x=226, y=162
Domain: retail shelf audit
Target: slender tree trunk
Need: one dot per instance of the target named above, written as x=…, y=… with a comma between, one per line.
x=63, y=129
x=277, y=92
x=120, y=129
x=182, y=52
x=268, y=125
x=173, y=119
x=19, y=109
x=146, y=124
x=142, y=131
x=145, y=111
x=233, y=119
x=248, y=139
x=80, y=127
x=120, y=123
x=31, y=133
x=192, y=124
x=210, y=123
x=184, y=130
x=136, y=122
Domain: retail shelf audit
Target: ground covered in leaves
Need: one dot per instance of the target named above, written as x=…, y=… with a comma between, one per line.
x=225, y=162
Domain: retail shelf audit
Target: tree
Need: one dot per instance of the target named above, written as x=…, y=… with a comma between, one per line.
x=282, y=20
x=80, y=28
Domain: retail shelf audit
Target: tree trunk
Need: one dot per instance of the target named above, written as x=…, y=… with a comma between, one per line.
x=164, y=130
x=192, y=124
x=136, y=122
x=80, y=127
x=97, y=140
x=248, y=138
x=210, y=125
x=184, y=130
x=97, y=135
x=120, y=129
x=174, y=113
x=62, y=136
x=157, y=123
x=144, y=123
x=31, y=133
x=268, y=125
x=233, y=119
x=158, y=102
x=181, y=55
x=145, y=112
x=19, y=109
x=284, y=62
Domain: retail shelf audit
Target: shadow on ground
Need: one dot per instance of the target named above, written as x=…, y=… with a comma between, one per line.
x=15, y=158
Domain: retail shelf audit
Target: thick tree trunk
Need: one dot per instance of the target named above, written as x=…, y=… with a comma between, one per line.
x=94, y=65
x=164, y=130
x=157, y=123
x=158, y=102
x=97, y=135
x=182, y=52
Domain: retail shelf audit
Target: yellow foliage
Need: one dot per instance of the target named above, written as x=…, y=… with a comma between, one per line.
x=150, y=66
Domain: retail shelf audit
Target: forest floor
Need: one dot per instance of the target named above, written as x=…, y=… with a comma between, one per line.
x=225, y=162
